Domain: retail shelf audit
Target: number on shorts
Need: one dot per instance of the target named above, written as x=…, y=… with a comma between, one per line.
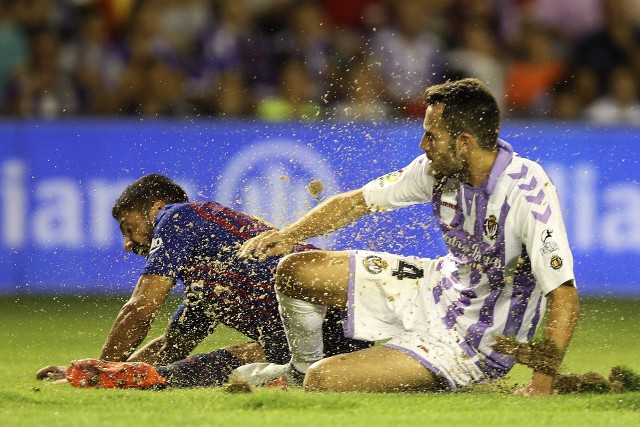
x=406, y=270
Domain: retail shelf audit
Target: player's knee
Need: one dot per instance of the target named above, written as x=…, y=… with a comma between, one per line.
x=292, y=273
x=318, y=378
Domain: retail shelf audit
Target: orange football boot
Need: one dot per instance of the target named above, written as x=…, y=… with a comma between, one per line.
x=94, y=373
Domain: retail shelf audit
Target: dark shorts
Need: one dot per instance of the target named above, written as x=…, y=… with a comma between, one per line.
x=197, y=321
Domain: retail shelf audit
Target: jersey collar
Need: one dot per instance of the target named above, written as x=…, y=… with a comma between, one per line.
x=503, y=159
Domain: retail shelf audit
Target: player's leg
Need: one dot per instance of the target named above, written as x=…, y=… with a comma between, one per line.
x=389, y=296
x=187, y=327
x=319, y=277
x=199, y=370
x=95, y=373
x=306, y=283
x=334, y=339
x=377, y=369
x=211, y=369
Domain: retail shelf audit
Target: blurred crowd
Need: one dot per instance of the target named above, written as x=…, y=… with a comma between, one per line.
x=313, y=59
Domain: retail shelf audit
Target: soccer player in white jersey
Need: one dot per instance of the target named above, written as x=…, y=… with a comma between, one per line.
x=508, y=260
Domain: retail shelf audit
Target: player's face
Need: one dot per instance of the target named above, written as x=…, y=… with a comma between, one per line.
x=439, y=145
x=137, y=230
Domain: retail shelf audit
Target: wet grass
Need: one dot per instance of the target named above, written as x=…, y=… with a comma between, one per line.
x=35, y=332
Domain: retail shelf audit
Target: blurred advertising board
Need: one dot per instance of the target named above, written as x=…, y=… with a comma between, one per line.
x=58, y=181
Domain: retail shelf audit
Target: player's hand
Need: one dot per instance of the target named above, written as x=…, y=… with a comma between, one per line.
x=540, y=385
x=269, y=243
x=530, y=391
x=52, y=372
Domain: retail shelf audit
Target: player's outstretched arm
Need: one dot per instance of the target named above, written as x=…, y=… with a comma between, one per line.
x=329, y=216
x=564, y=309
x=135, y=318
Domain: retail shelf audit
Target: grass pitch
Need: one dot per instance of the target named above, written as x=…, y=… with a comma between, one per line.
x=35, y=332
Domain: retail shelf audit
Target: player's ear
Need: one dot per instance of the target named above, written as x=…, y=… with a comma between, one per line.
x=155, y=208
x=465, y=142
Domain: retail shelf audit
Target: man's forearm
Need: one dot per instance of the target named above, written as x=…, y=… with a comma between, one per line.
x=564, y=310
x=563, y=318
x=128, y=331
x=135, y=318
x=331, y=215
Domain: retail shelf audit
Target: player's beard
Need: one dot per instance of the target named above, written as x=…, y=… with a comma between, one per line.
x=456, y=173
x=143, y=249
x=453, y=167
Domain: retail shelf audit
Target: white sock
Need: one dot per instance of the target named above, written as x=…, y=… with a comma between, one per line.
x=303, y=325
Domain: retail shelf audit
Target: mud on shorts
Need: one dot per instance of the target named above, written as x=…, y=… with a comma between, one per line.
x=195, y=317
x=390, y=297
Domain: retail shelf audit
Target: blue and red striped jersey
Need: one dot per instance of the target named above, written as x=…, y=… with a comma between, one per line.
x=197, y=244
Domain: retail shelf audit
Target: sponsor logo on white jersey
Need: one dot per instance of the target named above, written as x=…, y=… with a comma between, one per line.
x=548, y=245
x=390, y=178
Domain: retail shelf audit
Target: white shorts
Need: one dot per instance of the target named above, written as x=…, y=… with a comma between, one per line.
x=390, y=298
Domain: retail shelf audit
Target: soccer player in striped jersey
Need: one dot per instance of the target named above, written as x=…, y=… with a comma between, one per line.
x=508, y=260
x=197, y=243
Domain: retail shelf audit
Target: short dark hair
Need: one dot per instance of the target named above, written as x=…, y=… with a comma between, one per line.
x=468, y=107
x=151, y=188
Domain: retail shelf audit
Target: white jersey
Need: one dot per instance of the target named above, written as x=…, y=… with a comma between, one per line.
x=507, y=246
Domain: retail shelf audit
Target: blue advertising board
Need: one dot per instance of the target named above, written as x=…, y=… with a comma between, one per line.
x=58, y=181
